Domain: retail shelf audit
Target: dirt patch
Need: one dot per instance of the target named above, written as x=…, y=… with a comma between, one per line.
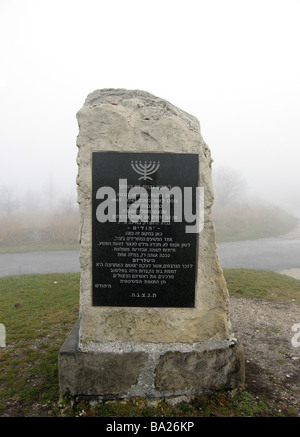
x=272, y=361
x=294, y=273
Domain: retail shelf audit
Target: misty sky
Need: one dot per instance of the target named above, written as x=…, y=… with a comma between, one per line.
x=234, y=64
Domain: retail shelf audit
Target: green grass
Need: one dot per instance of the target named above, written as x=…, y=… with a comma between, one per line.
x=48, y=309
x=35, y=331
x=219, y=404
x=262, y=284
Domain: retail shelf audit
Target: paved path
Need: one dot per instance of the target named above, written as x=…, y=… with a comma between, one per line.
x=275, y=254
x=280, y=254
x=264, y=254
x=39, y=262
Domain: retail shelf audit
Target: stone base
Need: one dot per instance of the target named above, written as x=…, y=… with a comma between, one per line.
x=116, y=370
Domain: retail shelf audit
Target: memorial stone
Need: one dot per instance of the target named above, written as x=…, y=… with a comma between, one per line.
x=153, y=315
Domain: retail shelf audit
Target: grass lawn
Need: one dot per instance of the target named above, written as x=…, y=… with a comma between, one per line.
x=262, y=284
x=47, y=308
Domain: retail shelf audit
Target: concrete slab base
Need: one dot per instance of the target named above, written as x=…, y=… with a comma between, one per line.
x=118, y=370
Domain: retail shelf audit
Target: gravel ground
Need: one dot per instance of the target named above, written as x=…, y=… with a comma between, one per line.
x=272, y=350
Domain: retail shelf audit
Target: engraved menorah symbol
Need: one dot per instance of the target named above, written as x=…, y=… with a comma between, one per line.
x=145, y=169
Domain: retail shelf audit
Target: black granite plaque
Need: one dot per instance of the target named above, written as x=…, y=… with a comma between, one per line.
x=143, y=255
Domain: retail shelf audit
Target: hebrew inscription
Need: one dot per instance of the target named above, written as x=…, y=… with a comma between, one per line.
x=144, y=213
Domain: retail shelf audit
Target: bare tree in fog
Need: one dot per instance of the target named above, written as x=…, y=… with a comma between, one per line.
x=50, y=191
x=8, y=203
x=32, y=202
x=69, y=203
x=229, y=186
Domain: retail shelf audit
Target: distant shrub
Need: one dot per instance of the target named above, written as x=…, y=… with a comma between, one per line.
x=38, y=230
x=247, y=221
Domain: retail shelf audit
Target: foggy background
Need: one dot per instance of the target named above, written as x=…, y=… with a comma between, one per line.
x=233, y=64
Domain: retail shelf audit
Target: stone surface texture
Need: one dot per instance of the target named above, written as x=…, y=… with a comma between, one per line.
x=136, y=121
x=152, y=370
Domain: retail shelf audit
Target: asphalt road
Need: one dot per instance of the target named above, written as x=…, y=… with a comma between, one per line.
x=264, y=254
x=39, y=262
x=275, y=254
